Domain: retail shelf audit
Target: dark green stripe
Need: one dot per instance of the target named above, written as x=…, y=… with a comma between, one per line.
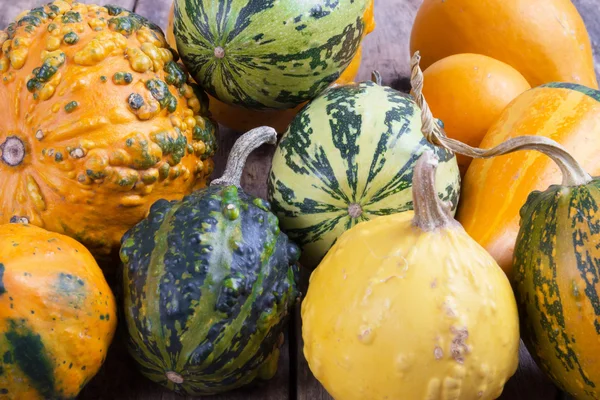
x=29, y=353
x=593, y=93
x=345, y=122
x=316, y=163
x=136, y=253
x=2, y=288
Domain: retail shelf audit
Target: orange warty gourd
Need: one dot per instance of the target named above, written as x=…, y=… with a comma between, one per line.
x=242, y=119
x=58, y=315
x=494, y=190
x=468, y=92
x=545, y=40
x=98, y=122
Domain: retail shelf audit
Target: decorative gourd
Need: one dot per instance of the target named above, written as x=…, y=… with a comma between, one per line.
x=493, y=191
x=209, y=283
x=98, y=122
x=555, y=273
x=557, y=249
x=349, y=157
x=58, y=314
x=545, y=40
x=419, y=310
x=269, y=54
x=243, y=119
x=468, y=92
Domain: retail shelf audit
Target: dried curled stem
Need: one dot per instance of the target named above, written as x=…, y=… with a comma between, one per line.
x=572, y=172
x=242, y=148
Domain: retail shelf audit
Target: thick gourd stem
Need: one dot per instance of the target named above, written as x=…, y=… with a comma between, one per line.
x=572, y=172
x=245, y=145
x=430, y=212
x=13, y=151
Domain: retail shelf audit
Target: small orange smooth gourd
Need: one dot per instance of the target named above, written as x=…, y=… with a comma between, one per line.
x=545, y=40
x=468, y=93
x=98, y=121
x=58, y=315
x=242, y=119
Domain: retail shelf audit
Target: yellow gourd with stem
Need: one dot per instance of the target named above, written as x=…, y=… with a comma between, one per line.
x=421, y=311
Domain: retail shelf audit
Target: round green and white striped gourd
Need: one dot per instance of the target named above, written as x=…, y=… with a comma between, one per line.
x=268, y=54
x=348, y=157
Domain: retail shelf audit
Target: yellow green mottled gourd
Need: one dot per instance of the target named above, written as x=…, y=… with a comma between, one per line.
x=420, y=311
x=57, y=315
x=556, y=268
x=98, y=122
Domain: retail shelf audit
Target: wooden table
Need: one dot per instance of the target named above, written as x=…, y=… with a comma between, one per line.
x=385, y=50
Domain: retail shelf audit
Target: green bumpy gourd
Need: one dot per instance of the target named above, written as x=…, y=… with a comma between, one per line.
x=209, y=283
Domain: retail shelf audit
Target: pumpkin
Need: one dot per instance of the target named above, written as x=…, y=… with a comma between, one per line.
x=58, y=314
x=468, y=92
x=98, y=122
x=419, y=311
x=493, y=191
x=545, y=40
x=243, y=119
x=555, y=278
x=270, y=54
x=348, y=157
x=208, y=285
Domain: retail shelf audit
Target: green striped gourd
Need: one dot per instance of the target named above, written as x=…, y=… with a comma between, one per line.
x=208, y=285
x=556, y=280
x=268, y=54
x=348, y=157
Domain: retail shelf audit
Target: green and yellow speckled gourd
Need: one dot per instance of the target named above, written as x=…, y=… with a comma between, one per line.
x=269, y=54
x=57, y=314
x=209, y=283
x=349, y=157
x=98, y=122
x=555, y=276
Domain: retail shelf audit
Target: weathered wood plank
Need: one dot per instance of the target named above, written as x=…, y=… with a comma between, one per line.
x=155, y=11
x=10, y=9
x=387, y=48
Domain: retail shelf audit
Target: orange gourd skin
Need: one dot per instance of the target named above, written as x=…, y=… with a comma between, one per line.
x=545, y=40
x=468, y=92
x=108, y=123
x=494, y=190
x=57, y=314
x=242, y=119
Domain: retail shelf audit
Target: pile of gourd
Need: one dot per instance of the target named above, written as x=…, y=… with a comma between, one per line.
x=106, y=150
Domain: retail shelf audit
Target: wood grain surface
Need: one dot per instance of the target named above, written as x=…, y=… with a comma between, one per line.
x=385, y=50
